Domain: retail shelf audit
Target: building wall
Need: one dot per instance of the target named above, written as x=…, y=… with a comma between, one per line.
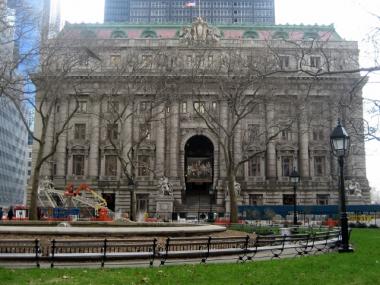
x=311, y=106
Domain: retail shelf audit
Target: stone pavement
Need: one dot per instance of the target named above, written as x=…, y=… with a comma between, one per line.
x=127, y=230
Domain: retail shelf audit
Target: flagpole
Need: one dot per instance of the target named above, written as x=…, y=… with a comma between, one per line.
x=199, y=8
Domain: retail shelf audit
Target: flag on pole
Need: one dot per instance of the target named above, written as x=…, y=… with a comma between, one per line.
x=190, y=4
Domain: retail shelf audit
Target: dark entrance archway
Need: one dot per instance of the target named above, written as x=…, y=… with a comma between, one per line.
x=199, y=174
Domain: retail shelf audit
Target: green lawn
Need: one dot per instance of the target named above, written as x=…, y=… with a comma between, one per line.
x=360, y=267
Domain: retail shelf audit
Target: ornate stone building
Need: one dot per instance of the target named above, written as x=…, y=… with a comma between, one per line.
x=168, y=113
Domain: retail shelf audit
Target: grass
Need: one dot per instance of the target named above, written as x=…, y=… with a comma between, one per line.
x=360, y=267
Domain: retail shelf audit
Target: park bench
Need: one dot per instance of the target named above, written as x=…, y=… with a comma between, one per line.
x=277, y=244
x=26, y=250
x=300, y=244
x=203, y=248
x=102, y=250
x=325, y=241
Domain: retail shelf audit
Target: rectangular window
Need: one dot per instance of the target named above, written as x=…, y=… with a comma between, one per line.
x=144, y=106
x=113, y=106
x=78, y=165
x=285, y=135
x=323, y=199
x=288, y=199
x=142, y=202
x=287, y=165
x=319, y=166
x=317, y=108
x=82, y=106
x=80, y=131
x=254, y=166
x=143, y=165
x=315, y=61
x=318, y=135
x=214, y=106
x=83, y=60
x=111, y=165
x=284, y=61
x=112, y=132
x=199, y=107
x=183, y=107
x=210, y=60
x=253, y=132
x=256, y=199
x=189, y=60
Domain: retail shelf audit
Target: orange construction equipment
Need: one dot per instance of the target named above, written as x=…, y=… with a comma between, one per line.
x=101, y=210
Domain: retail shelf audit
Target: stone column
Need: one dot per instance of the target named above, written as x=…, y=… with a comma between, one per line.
x=93, y=132
x=224, y=121
x=60, y=155
x=160, y=142
x=174, y=144
x=237, y=148
x=303, y=143
x=127, y=135
x=271, y=148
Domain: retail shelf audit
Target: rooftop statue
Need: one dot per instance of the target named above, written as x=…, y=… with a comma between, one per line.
x=199, y=33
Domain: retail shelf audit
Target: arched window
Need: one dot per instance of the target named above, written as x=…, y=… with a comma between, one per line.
x=280, y=35
x=118, y=34
x=250, y=35
x=149, y=34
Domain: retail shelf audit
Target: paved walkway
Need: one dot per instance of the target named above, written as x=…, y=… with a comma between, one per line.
x=127, y=230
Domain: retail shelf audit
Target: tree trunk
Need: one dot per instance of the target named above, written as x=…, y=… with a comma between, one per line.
x=133, y=204
x=232, y=193
x=35, y=181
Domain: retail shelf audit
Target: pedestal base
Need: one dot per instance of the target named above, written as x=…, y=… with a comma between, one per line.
x=164, y=207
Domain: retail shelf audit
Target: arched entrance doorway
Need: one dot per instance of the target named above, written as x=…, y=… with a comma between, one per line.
x=199, y=173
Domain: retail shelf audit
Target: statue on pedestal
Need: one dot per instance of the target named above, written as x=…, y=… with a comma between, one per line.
x=164, y=187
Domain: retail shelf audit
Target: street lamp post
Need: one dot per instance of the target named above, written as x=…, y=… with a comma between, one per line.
x=340, y=145
x=294, y=178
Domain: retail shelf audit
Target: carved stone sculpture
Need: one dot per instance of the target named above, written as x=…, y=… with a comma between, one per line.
x=199, y=33
x=164, y=187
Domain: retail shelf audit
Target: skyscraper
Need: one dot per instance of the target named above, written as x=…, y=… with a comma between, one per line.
x=27, y=22
x=174, y=11
x=13, y=134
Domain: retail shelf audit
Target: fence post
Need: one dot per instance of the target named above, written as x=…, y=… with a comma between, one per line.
x=37, y=250
x=154, y=252
x=52, y=253
x=166, y=251
x=208, y=250
x=104, y=252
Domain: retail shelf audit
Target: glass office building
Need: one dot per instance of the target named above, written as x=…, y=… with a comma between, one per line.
x=174, y=11
x=13, y=153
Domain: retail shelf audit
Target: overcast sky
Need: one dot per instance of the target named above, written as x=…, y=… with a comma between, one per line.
x=353, y=20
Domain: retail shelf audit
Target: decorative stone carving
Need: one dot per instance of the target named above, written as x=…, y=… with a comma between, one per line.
x=237, y=188
x=164, y=187
x=199, y=33
x=353, y=188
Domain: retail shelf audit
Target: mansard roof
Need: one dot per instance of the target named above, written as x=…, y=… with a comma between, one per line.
x=233, y=31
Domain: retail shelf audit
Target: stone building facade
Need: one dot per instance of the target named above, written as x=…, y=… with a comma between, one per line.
x=154, y=110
